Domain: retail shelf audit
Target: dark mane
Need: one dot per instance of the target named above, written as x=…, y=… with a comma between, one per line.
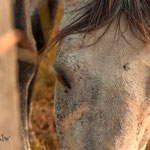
x=99, y=13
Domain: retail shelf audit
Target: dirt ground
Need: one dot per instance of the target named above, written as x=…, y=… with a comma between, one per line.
x=42, y=126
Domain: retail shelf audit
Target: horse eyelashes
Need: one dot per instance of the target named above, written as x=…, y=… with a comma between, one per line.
x=66, y=82
x=62, y=77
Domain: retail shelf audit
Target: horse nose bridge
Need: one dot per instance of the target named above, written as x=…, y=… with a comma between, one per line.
x=97, y=134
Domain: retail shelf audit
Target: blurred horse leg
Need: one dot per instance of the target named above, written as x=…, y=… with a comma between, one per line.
x=26, y=69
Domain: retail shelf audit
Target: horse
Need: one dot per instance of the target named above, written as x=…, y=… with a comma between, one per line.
x=102, y=93
x=35, y=19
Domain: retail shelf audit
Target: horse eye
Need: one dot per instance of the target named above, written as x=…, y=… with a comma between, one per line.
x=62, y=77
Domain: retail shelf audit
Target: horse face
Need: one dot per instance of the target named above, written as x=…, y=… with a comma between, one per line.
x=102, y=92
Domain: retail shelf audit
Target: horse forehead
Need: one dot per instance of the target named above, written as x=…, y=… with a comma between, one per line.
x=73, y=3
x=127, y=48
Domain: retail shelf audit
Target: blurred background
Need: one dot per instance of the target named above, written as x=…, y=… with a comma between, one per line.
x=42, y=123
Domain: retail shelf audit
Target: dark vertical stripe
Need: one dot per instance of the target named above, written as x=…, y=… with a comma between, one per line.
x=20, y=14
x=52, y=5
x=38, y=21
x=37, y=31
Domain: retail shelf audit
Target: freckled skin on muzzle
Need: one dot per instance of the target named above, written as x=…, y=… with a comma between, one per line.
x=106, y=105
